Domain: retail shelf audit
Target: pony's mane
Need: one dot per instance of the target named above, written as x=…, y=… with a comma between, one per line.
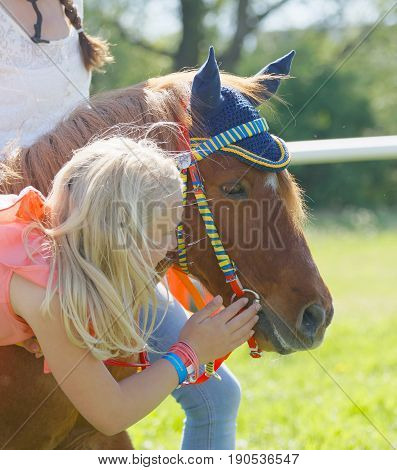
x=128, y=112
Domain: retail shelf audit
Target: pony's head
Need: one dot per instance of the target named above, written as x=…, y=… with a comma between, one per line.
x=257, y=206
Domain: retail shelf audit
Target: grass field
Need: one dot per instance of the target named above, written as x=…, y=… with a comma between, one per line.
x=290, y=402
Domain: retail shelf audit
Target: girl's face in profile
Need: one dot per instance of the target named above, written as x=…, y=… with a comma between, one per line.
x=167, y=216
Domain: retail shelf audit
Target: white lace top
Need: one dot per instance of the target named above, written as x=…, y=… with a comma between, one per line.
x=39, y=83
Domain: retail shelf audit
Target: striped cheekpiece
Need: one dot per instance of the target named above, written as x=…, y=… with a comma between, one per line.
x=202, y=148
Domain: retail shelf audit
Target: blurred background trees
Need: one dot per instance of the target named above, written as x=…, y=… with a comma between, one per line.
x=153, y=37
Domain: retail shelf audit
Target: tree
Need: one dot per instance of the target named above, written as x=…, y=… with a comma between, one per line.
x=193, y=38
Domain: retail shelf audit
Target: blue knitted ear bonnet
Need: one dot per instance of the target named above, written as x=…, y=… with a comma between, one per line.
x=219, y=108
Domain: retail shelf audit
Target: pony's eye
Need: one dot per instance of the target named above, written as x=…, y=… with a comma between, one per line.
x=234, y=190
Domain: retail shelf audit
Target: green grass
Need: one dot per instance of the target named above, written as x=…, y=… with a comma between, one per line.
x=289, y=402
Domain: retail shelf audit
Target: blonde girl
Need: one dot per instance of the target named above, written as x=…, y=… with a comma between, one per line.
x=79, y=273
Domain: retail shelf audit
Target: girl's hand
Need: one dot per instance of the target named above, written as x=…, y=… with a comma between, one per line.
x=215, y=336
x=32, y=346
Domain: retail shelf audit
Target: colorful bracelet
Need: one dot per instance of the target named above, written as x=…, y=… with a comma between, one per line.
x=177, y=362
x=189, y=357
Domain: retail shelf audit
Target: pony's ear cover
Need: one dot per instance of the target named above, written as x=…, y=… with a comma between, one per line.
x=217, y=108
x=281, y=66
x=206, y=88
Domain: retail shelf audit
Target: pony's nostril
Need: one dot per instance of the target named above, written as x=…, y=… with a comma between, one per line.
x=313, y=318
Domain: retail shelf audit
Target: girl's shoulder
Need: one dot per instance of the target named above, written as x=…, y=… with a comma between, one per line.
x=24, y=251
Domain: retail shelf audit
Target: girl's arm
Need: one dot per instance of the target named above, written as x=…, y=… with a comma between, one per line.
x=110, y=406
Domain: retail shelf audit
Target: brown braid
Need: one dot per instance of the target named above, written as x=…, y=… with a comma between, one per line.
x=95, y=50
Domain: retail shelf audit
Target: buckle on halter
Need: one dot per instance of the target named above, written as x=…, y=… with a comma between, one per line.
x=183, y=160
x=255, y=294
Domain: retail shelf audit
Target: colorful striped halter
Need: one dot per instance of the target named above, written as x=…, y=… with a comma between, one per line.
x=200, y=149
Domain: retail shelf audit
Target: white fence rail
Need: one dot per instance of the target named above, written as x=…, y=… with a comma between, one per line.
x=343, y=150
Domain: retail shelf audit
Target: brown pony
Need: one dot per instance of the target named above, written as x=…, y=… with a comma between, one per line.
x=296, y=304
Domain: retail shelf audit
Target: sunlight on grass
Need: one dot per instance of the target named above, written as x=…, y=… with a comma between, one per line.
x=289, y=402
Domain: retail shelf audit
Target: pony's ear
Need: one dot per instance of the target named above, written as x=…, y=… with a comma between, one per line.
x=206, y=87
x=281, y=66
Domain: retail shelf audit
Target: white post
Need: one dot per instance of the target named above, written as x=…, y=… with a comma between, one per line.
x=343, y=150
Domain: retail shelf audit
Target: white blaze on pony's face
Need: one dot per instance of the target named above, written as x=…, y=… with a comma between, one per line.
x=271, y=181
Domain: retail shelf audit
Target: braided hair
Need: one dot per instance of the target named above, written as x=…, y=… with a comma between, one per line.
x=95, y=51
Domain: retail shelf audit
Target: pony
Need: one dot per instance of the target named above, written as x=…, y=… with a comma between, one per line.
x=257, y=207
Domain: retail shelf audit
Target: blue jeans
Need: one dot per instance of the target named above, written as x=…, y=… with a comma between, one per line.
x=211, y=407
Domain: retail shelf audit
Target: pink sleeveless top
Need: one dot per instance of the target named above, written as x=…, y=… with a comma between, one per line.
x=16, y=213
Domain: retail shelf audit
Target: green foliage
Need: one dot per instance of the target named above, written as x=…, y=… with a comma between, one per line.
x=338, y=185
x=322, y=104
x=132, y=64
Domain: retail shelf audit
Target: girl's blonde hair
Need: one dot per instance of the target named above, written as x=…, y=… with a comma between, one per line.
x=104, y=272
